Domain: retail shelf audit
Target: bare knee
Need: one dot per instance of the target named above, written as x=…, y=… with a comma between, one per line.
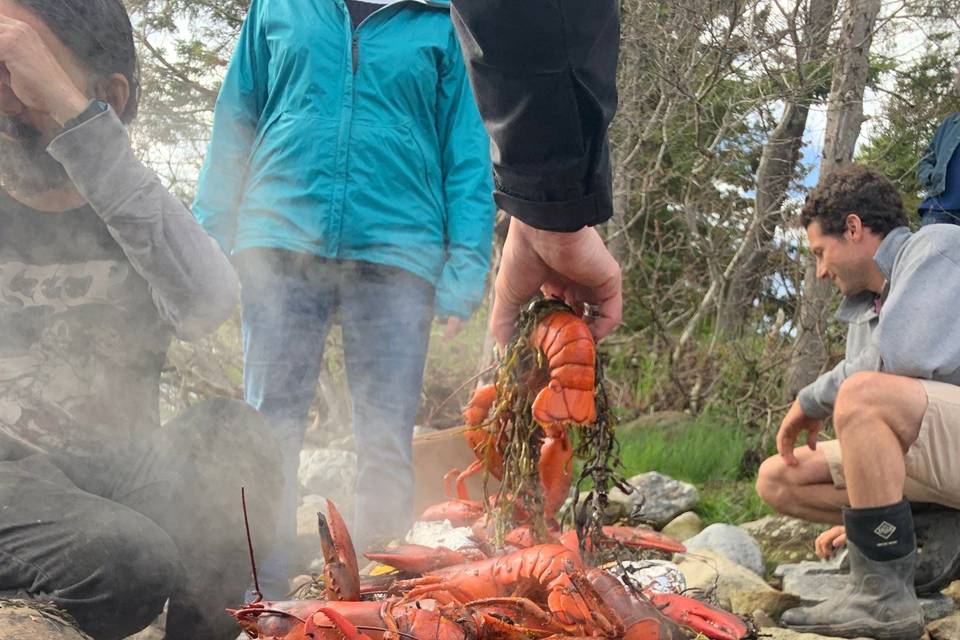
x=773, y=485
x=860, y=403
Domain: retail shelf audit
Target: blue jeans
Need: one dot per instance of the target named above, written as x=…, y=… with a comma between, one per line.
x=289, y=300
x=939, y=216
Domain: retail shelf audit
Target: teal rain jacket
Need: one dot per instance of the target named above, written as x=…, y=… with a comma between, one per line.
x=351, y=144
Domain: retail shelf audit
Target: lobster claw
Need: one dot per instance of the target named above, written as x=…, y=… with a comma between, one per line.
x=460, y=513
x=340, y=570
x=627, y=536
x=479, y=406
x=643, y=538
x=344, y=627
x=702, y=618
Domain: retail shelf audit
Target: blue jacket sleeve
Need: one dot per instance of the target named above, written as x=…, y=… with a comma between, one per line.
x=928, y=163
x=237, y=114
x=468, y=191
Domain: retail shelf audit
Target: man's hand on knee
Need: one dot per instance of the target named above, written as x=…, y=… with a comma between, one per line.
x=793, y=424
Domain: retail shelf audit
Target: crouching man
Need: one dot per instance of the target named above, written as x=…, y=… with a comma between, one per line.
x=895, y=405
x=103, y=513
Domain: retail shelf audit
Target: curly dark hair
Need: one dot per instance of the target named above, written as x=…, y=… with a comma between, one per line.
x=99, y=34
x=857, y=189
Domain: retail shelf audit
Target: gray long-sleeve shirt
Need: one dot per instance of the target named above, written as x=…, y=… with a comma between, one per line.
x=90, y=298
x=916, y=333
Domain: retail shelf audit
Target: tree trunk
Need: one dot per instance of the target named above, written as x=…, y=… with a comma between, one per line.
x=844, y=117
x=778, y=163
x=617, y=245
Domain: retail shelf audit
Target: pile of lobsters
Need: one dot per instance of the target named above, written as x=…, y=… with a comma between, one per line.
x=534, y=582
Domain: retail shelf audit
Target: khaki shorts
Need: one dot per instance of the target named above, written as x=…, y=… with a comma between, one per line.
x=933, y=462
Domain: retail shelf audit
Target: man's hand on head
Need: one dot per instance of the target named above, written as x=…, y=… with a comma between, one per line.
x=32, y=73
x=575, y=267
x=793, y=424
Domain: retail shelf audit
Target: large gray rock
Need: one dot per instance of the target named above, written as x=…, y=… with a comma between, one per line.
x=794, y=576
x=736, y=588
x=328, y=472
x=784, y=539
x=684, y=526
x=731, y=542
x=659, y=498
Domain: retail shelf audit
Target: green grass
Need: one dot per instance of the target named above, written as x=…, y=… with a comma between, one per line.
x=705, y=452
x=701, y=451
x=734, y=503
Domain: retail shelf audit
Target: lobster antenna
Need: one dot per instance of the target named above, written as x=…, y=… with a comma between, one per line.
x=253, y=562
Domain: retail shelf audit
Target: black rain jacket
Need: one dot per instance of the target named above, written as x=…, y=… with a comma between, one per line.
x=544, y=76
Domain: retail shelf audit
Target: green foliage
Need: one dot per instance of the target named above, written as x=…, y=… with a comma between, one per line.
x=922, y=97
x=706, y=452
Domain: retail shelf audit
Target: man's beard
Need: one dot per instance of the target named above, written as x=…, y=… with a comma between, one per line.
x=25, y=166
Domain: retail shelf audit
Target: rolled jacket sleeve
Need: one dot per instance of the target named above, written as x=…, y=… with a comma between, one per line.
x=544, y=73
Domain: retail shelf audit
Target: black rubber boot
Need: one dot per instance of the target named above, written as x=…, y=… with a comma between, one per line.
x=879, y=602
x=938, y=547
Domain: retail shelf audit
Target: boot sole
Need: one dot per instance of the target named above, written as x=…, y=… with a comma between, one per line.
x=899, y=630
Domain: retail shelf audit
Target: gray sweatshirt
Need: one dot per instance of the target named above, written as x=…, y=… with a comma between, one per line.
x=916, y=334
x=90, y=298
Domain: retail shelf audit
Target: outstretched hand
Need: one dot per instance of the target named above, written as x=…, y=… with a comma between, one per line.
x=793, y=424
x=575, y=267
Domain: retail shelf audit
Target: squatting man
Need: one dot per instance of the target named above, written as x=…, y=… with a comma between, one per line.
x=896, y=410
x=105, y=513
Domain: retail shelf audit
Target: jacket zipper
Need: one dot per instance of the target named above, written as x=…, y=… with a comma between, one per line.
x=355, y=52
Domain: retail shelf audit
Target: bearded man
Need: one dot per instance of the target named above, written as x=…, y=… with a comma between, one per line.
x=103, y=513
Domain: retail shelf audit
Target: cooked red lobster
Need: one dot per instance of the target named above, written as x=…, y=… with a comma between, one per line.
x=564, y=344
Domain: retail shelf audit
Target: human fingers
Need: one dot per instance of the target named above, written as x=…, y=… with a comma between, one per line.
x=609, y=312
x=583, y=268
x=813, y=429
x=840, y=540
x=518, y=280
x=829, y=541
x=786, y=438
